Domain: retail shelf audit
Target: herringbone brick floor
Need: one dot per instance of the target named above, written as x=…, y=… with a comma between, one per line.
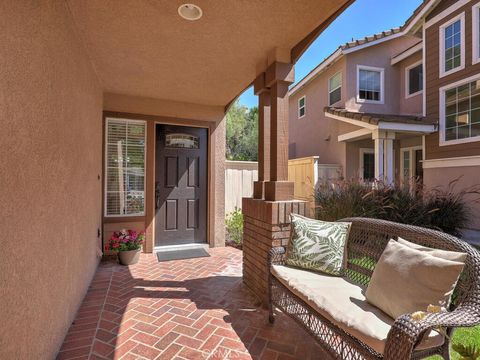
x=187, y=309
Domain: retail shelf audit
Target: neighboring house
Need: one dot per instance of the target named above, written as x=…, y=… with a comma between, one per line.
x=355, y=104
x=401, y=106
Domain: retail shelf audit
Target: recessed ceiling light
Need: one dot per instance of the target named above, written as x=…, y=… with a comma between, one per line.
x=190, y=12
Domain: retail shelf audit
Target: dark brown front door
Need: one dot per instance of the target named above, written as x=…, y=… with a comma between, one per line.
x=180, y=185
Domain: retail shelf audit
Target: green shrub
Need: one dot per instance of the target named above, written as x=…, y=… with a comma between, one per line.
x=234, y=227
x=441, y=208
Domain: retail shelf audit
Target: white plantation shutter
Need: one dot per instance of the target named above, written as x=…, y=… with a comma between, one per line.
x=125, y=168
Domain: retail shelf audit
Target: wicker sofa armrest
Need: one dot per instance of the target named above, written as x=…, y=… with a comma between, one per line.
x=406, y=332
x=276, y=256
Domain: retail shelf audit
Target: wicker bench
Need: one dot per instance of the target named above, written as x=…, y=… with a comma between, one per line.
x=367, y=240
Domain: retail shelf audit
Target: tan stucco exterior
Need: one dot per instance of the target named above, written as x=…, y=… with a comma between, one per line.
x=377, y=56
x=50, y=193
x=315, y=134
x=411, y=105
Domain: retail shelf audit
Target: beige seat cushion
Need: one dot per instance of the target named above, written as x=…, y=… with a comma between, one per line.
x=406, y=280
x=442, y=254
x=343, y=303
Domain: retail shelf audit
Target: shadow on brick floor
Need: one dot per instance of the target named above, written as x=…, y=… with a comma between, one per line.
x=184, y=309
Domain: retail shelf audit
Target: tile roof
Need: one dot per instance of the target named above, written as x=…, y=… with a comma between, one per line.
x=374, y=119
x=367, y=39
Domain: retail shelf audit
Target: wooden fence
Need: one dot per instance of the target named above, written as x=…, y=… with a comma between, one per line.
x=305, y=173
x=239, y=178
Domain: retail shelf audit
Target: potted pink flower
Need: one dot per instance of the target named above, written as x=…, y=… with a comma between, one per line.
x=127, y=244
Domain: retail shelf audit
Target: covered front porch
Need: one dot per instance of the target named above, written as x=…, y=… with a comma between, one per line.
x=68, y=67
x=382, y=147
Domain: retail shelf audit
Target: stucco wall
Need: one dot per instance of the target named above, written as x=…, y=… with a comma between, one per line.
x=315, y=134
x=50, y=193
x=469, y=177
x=413, y=105
x=377, y=56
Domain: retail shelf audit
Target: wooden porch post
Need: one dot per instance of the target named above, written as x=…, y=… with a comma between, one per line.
x=278, y=77
x=267, y=220
x=263, y=94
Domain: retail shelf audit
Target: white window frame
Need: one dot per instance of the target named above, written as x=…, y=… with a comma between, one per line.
x=304, y=107
x=106, y=165
x=363, y=151
x=441, y=46
x=475, y=33
x=382, y=81
x=411, y=150
x=338, y=87
x=407, y=80
x=441, y=126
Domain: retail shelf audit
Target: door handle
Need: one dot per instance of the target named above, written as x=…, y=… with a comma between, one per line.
x=157, y=194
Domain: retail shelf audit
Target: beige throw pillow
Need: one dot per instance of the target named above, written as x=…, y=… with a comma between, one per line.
x=406, y=280
x=443, y=254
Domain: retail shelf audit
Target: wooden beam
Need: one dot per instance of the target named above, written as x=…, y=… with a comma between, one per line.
x=279, y=76
x=355, y=135
x=303, y=45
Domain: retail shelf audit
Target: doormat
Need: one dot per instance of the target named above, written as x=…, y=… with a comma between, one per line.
x=182, y=254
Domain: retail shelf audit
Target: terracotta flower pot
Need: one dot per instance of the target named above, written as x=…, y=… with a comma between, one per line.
x=129, y=257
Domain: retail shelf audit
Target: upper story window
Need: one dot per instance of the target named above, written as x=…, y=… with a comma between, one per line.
x=301, y=107
x=414, y=79
x=476, y=33
x=370, y=84
x=460, y=112
x=124, y=168
x=452, y=45
x=335, y=88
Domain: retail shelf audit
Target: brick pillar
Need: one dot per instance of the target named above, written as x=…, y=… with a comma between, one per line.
x=266, y=225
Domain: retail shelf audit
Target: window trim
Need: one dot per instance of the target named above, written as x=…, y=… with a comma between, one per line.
x=338, y=87
x=441, y=47
x=107, y=119
x=475, y=33
x=411, y=150
x=382, y=87
x=304, y=107
x=363, y=151
x=407, y=80
x=441, y=123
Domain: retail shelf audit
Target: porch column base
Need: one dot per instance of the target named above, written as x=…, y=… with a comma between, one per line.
x=279, y=190
x=258, y=189
x=266, y=225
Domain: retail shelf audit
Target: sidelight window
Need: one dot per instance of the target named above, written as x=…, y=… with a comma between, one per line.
x=124, y=168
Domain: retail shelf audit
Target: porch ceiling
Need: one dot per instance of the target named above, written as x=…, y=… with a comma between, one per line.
x=144, y=48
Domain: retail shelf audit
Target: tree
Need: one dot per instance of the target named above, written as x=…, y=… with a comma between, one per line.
x=242, y=133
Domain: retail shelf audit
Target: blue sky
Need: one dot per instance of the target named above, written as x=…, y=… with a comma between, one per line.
x=362, y=18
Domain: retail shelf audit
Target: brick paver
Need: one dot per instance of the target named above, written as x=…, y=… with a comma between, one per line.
x=184, y=309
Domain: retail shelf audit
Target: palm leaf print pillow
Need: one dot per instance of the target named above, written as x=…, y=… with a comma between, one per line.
x=317, y=245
